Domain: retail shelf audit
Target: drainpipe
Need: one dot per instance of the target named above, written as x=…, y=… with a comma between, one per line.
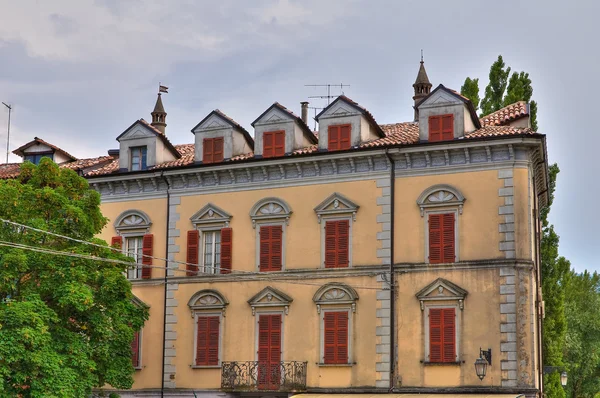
x=392, y=279
x=164, y=340
x=538, y=276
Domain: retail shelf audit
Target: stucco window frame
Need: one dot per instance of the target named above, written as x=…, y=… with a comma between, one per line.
x=457, y=333
x=125, y=252
x=270, y=212
x=269, y=311
x=202, y=231
x=326, y=218
x=324, y=310
x=456, y=232
x=132, y=223
x=209, y=218
x=208, y=302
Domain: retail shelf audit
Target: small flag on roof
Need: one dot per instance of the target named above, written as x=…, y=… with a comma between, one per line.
x=163, y=89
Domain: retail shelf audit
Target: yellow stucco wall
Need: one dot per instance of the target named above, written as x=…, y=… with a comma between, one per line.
x=522, y=204
x=301, y=332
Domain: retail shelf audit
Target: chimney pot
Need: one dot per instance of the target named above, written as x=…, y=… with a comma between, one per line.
x=304, y=105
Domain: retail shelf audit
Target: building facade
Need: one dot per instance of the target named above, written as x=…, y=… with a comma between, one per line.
x=361, y=258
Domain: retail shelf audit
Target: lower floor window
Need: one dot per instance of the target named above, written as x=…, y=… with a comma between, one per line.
x=133, y=248
x=207, y=341
x=335, y=337
x=442, y=335
x=135, y=350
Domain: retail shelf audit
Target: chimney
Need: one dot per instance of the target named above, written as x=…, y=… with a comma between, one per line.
x=304, y=105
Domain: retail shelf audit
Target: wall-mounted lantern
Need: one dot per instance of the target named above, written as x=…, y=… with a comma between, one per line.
x=481, y=364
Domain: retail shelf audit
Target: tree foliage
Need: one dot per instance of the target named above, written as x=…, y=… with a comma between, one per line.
x=583, y=333
x=67, y=323
x=470, y=89
x=502, y=91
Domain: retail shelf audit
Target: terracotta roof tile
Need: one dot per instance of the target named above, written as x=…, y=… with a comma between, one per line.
x=10, y=170
x=82, y=164
x=500, y=131
x=506, y=114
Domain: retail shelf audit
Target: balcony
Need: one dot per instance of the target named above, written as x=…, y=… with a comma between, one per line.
x=262, y=376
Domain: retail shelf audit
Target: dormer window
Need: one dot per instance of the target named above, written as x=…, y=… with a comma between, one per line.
x=212, y=150
x=37, y=157
x=441, y=127
x=273, y=143
x=138, y=158
x=339, y=137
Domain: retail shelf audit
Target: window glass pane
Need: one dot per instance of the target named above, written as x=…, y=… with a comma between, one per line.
x=208, y=252
x=133, y=248
x=217, y=251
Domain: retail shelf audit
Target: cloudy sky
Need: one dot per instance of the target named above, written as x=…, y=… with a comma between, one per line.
x=80, y=71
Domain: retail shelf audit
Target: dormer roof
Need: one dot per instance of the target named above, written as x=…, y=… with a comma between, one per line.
x=359, y=108
x=303, y=126
x=507, y=114
x=230, y=122
x=20, y=151
x=457, y=95
x=144, y=124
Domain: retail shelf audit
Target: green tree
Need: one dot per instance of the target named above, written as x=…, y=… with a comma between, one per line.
x=520, y=89
x=494, y=91
x=470, y=89
x=66, y=323
x=583, y=334
x=554, y=271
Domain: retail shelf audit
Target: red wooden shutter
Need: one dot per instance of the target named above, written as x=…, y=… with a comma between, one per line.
x=335, y=347
x=117, y=242
x=193, y=239
x=269, y=351
x=279, y=143
x=147, y=245
x=226, y=238
x=435, y=238
x=135, y=350
x=271, y=248
x=435, y=128
x=218, y=149
x=345, y=136
x=448, y=238
x=435, y=335
x=337, y=243
x=449, y=335
x=447, y=128
x=207, y=341
x=268, y=145
x=207, y=150
x=333, y=138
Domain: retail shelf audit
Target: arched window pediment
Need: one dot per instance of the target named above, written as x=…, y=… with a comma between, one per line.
x=335, y=293
x=270, y=209
x=136, y=301
x=207, y=299
x=132, y=220
x=441, y=195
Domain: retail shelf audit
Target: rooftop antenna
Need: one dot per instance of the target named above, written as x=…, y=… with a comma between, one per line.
x=329, y=86
x=8, y=134
x=316, y=108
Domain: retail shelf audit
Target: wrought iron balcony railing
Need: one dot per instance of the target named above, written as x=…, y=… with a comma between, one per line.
x=256, y=375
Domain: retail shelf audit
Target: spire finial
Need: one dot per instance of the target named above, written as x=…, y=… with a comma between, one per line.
x=159, y=116
x=421, y=55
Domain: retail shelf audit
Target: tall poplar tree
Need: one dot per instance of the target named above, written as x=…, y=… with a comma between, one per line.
x=494, y=91
x=470, y=89
x=67, y=323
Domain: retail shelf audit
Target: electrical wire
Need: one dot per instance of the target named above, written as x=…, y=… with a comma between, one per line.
x=129, y=264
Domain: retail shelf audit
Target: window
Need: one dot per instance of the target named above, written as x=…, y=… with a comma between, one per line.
x=208, y=310
x=273, y=143
x=339, y=137
x=270, y=248
x=440, y=303
x=216, y=251
x=136, y=348
x=442, y=335
x=441, y=127
x=207, y=340
x=36, y=157
x=212, y=150
x=441, y=238
x=134, y=248
x=335, y=337
x=212, y=252
x=337, y=235
x=138, y=158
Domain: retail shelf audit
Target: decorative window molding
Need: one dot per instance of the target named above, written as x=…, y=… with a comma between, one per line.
x=441, y=195
x=335, y=293
x=136, y=301
x=211, y=214
x=208, y=299
x=442, y=290
x=270, y=297
x=270, y=210
x=133, y=220
x=335, y=205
